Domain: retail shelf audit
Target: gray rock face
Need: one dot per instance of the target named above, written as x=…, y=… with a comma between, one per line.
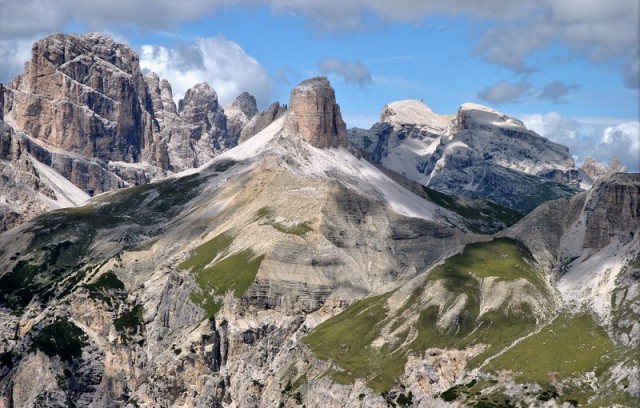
x=261, y=121
x=315, y=115
x=1, y=101
x=613, y=210
x=239, y=113
x=203, y=116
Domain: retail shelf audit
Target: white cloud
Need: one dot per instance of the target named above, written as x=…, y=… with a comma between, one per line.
x=595, y=137
x=505, y=92
x=598, y=29
x=623, y=141
x=350, y=71
x=216, y=60
x=13, y=54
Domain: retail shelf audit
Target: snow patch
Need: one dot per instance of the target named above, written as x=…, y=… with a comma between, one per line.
x=67, y=193
x=362, y=174
x=256, y=144
x=414, y=111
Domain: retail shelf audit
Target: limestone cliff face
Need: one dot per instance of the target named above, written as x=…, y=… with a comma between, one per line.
x=85, y=94
x=194, y=132
x=315, y=115
x=475, y=152
x=204, y=116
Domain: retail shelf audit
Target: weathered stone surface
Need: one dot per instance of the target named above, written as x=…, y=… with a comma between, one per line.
x=476, y=152
x=84, y=94
x=261, y=121
x=239, y=113
x=204, y=117
x=613, y=210
x=315, y=115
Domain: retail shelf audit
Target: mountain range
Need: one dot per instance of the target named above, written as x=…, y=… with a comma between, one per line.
x=156, y=254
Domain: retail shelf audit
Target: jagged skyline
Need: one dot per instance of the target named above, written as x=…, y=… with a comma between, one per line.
x=568, y=69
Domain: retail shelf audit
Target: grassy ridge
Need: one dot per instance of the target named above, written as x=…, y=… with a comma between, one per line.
x=569, y=345
x=267, y=214
x=235, y=272
x=346, y=339
x=63, y=238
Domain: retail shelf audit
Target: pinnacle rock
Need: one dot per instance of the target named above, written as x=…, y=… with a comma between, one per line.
x=315, y=115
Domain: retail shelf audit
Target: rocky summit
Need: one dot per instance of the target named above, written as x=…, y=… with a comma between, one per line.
x=430, y=261
x=315, y=115
x=84, y=110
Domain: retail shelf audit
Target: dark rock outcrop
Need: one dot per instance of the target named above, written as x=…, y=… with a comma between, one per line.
x=239, y=113
x=315, y=115
x=261, y=121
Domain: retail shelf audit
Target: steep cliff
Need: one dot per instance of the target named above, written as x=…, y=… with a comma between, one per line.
x=315, y=115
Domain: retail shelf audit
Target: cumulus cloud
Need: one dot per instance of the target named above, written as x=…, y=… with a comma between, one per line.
x=13, y=54
x=216, y=60
x=599, y=30
x=505, y=92
x=622, y=141
x=595, y=137
x=509, y=46
x=557, y=91
x=595, y=29
x=354, y=72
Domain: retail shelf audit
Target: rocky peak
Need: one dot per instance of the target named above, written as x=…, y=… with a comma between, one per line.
x=239, y=113
x=595, y=169
x=245, y=103
x=315, y=115
x=201, y=97
x=161, y=95
x=203, y=115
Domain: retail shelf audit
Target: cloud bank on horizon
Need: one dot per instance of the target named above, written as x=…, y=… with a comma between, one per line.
x=518, y=49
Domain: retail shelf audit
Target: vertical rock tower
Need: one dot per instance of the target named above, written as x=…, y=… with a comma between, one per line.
x=315, y=115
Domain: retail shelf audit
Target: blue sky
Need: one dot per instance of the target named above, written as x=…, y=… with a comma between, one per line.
x=568, y=68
